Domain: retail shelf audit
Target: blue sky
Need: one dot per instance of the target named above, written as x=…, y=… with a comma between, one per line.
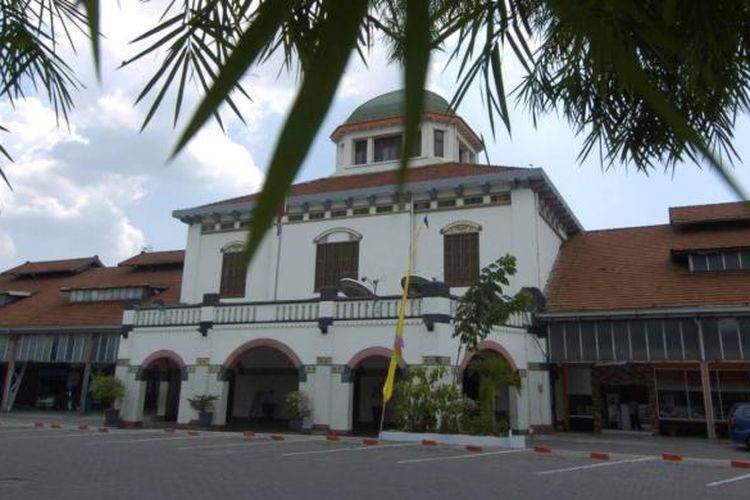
x=101, y=187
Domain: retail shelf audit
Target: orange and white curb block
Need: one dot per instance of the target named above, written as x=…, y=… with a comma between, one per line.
x=671, y=457
x=474, y=448
x=429, y=442
x=542, y=449
x=332, y=437
x=277, y=437
x=370, y=442
x=597, y=455
x=248, y=434
x=740, y=464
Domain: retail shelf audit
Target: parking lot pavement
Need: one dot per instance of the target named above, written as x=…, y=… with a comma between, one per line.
x=69, y=463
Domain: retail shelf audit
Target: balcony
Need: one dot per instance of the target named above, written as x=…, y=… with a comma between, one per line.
x=322, y=311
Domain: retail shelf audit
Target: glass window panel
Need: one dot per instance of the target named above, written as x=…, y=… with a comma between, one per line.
x=556, y=343
x=711, y=346
x=699, y=262
x=745, y=258
x=572, y=342
x=622, y=344
x=690, y=340
x=731, y=261
x=588, y=341
x=604, y=337
x=745, y=334
x=735, y=388
x=655, y=340
x=695, y=395
x=714, y=262
x=672, y=394
x=388, y=148
x=638, y=340
x=360, y=152
x=439, y=137
x=673, y=339
x=730, y=339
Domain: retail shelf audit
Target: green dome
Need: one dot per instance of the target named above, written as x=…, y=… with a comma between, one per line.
x=392, y=104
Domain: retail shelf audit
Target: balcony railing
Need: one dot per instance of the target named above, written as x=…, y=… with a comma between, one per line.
x=293, y=312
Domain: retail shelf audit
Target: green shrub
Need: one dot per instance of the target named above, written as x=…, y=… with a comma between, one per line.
x=297, y=404
x=203, y=403
x=425, y=404
x=107, y=389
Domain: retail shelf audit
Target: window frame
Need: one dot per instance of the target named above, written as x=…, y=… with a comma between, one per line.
x=233, y=281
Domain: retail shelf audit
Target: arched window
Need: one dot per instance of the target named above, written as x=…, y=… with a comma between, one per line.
x=233, y=271
x=461, y=253
x=336, y=257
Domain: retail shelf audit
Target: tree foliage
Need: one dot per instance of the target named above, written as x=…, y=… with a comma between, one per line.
x=494, y=373
x=646, y=83
x=485, y=305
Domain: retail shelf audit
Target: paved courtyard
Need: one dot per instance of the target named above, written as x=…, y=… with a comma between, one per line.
x=70, y=463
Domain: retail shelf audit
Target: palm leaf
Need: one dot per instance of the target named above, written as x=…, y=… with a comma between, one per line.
x=337, y=37
x=92, y=20
x=415, y=73
x=267, y=21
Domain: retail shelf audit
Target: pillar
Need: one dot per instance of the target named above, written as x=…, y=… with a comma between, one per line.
x=6, y=404
x=708, y=403
x=341, y=398
x=317, y=386
x=89, y=354
x=131, y=406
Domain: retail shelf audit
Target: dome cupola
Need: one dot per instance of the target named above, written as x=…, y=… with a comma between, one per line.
x=371, y=138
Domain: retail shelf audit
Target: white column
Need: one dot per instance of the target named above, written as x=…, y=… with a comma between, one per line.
x=317, y=387
x=218, y=388
x=342, y=400
x=131, y=407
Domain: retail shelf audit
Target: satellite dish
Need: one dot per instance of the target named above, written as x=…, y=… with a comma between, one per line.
x=538, y=301
x=354, y=289
x=416, y=283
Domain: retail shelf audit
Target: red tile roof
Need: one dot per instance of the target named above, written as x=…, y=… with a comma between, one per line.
x=155, y=258
x=49, y=305
x=68, y=266
x=719, y=212
x=347, y=182
x=634, y=268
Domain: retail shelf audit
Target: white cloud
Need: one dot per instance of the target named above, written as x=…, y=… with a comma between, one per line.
x=220, y=160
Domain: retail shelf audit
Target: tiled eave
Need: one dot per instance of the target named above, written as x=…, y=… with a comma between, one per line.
x=534, y=178
x=59, y=330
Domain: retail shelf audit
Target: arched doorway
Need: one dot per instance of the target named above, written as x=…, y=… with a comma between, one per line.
x=472, y=380
x=260, y=374
x=163, y=373
x=369, y=369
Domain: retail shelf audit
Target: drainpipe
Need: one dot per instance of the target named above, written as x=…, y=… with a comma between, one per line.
x=279, y=233
x=708, y=403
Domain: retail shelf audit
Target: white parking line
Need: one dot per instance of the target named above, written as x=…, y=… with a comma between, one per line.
x=246, y=443
x=456, y=457
x=338, y=450
x=726, y=481
x=597, y=465
x=175, y=438
x=79, y=433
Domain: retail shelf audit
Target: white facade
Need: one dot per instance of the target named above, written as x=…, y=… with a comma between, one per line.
x=329, y=343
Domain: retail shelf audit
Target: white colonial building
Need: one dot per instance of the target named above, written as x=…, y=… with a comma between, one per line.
x=251, y=335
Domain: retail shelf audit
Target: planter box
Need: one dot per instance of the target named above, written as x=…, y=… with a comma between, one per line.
x=456, y=439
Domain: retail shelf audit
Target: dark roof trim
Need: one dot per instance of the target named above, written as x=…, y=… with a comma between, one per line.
x=646, y=313
x=52, y=330
x=536, y=177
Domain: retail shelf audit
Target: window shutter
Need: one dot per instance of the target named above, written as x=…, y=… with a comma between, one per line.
x=334, y=261
x=233, y=274
x=461, y=258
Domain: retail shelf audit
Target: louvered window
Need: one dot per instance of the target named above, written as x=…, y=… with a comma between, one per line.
x=461, y=258
x=334, y=261
x=233, y=273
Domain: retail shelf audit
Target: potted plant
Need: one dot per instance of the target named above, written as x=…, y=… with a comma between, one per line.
x=203, y=404
x=298, y=406
x=107, y=390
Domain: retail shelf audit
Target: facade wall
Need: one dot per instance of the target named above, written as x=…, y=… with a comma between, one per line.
x=516, y=228
x=323, y=365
